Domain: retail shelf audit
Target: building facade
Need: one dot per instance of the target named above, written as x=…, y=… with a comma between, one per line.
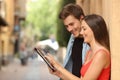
x=11, y=11
x=6, y=12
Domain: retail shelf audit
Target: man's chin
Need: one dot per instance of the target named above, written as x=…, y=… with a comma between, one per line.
x=75, y=36
x=79, y=35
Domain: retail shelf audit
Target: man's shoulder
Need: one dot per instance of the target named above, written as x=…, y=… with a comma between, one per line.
x=71, y=40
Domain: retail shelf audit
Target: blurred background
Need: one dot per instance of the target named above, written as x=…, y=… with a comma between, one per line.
x=25, y=24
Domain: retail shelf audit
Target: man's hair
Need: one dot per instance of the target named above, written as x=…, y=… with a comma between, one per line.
x=71, y=9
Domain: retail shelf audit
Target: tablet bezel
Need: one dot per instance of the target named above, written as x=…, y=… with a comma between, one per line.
x=42, y=54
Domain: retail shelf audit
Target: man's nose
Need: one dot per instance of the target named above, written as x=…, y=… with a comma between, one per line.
x=69, y=29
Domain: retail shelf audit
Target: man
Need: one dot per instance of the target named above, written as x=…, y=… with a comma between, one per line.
x=71, y=15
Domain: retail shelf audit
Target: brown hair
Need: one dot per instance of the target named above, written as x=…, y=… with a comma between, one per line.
x=71, y=9
x=99, y=28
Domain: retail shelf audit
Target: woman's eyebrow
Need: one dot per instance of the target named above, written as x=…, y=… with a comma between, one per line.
x=82, y=26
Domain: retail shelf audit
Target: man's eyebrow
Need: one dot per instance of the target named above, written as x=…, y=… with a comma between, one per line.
x=65, y=25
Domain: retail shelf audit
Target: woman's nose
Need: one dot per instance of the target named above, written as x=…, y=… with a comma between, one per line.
x=81, y=31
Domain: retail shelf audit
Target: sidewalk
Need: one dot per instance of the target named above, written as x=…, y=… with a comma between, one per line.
x=34, y=70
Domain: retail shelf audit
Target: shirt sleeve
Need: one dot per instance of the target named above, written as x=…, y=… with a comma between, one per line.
x=84, y=51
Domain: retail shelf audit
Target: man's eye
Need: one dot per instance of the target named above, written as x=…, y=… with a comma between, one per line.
x=71, y=24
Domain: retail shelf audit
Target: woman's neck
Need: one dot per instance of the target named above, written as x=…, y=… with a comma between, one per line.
x=94, y=46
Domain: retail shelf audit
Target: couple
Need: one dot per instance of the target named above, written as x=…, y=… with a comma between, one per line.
x=97, y=61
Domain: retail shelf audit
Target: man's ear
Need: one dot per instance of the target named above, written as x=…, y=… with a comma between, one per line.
x=81, y=17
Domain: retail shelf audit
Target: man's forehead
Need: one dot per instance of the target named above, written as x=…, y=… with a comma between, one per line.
x=69, y=19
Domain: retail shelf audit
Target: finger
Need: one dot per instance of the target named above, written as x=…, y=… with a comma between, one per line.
x=52, y=72
x=52, y=61
x=50, y=58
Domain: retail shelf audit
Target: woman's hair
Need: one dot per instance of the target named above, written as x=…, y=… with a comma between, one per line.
x=99, y=28
x=71, y=9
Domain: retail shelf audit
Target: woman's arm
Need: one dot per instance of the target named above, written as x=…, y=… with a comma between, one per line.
x=60, y=71
x=99, y=62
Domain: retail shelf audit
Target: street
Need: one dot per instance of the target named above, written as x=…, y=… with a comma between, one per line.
x=34, y=70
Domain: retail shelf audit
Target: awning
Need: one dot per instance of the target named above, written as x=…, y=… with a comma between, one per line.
x=3, y=23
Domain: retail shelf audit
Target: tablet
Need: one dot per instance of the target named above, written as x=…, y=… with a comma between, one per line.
x=42, y=54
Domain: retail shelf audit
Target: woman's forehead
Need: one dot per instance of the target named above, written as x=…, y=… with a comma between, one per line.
x=83, y=23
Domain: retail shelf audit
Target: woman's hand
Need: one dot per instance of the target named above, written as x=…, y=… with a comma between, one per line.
x=59, y=70
x=55, y=64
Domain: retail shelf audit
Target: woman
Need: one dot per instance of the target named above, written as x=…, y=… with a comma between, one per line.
x=97, y=62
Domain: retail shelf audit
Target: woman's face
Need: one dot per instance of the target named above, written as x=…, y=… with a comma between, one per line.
x=86, y=32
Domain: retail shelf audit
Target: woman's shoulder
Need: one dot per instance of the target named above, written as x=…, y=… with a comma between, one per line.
x=102, y=56
x=102, y=52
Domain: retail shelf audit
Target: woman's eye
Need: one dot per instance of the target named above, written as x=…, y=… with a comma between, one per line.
x=84, y=29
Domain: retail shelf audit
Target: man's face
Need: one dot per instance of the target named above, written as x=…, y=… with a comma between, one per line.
x=73, y=25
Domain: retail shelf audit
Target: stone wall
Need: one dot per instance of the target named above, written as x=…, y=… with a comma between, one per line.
x=110, y=10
